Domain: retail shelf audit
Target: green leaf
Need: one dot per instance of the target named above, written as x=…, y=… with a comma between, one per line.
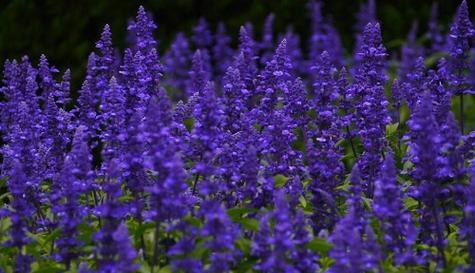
x=189, y=123
x=280, y=180
x=319, y=246
x=143, y=228
x=391, y=129
x=244, y=245
x=410, y=203
x=303, y=201
x=236, y=213
x=165, y=269
x=49, y=267
x=248, y=223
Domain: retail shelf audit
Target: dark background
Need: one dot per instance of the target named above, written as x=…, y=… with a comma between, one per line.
x=66, y=30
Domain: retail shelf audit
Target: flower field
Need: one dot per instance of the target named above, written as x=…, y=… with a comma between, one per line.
x=244, y=153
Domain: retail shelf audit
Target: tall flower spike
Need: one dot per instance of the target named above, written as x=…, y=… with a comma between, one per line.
x=365, y=15
x=354, y=247
x=87, y=109
x=202, y=36
x=434, y=31
x=371, y=114
x=143, y=28
x=469, y=219
x=295, y=102
x=105, y=46
x=234, y=98
x=325, y=93
x=461, y=31
x=117, y=253
x=222, y=51
x=63, y=96
x=177, y=63
x=273, y=244
x=45, y=73
x=295, y=52
x=74, y=181
x=425, y=154
x=460, y=34
x=410, y=51
x=56, y=135
x=424, y=143
x=113, y=120
x=318, y=38
x=22, y=211
x=395, y=221
x=105, y=62
x=247, y=63
x=324, y=36
x=222, y=233
x=274, y=79
x=267, y=44
x=199, y=74
x=207, y=135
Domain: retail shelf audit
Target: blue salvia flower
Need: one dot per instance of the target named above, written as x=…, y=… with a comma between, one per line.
x=397, y=227
x=469, y=218
x=87, y=115
x=425, y=154
x=200, y=73
x=323, y=155
x=413, y=81
x=134, y=173
x=294, y=51
x=222, y=235
x=434, y=33
x=166, y=190
x=177, y=62
x=246, y=57
x=266, y=46
x=371, y=115
x=295, y=103
x=133, y=94
x=410, y=51
x=22, y=210
x=63, y=96
x=74, y=181
x=234, y=98
x=222, y=52
x=104, y=68
x=276, y=147
x=47, y=84
x=143, y=28
x=181, y=252
x=366, y=14
x=323, y=37
x=354, y=244
x=145, y=62
x=326, y=171
x=305, y=258
x=461, y=31
x=116, y=252
x=56, y=136
x=273, y=81
x=113, y=118
x=202, y=36
x=275, y=244
x=325, y=95
x=207, y=137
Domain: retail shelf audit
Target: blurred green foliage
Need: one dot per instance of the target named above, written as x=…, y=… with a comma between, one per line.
x=66, y=30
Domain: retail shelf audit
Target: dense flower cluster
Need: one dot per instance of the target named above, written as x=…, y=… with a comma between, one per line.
x=260, y=158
